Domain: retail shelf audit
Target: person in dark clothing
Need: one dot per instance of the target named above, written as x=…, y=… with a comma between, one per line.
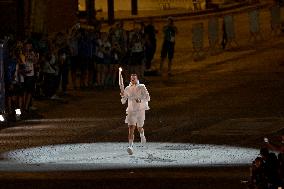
x=170, y=31
x=150, y=43
x=11, y=84
x=258, y=179
x=224, y=35
x=63, y=54
x=271, y=171
x=270, y=168
x=85, y=56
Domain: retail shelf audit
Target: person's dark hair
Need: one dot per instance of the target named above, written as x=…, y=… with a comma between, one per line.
x=28, y=42
x=258, y=159
x=59, y=34
x=264, y=151
x=171, y=19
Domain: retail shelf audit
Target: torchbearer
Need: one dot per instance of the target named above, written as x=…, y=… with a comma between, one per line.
x=138, y=97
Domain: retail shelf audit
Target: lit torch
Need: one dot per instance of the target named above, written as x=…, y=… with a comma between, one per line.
x=120, y=80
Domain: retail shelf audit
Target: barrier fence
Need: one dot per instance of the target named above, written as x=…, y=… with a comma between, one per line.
x=254, y=25
x=275, y=19
x=228, y=31
x=197, y=39
x=213, y=33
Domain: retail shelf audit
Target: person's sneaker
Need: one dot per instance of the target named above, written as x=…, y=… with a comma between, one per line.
x=130, y=150
x=143, y=140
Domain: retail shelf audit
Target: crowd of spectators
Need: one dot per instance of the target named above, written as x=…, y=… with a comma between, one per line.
x=267, y=171
x=40, y=65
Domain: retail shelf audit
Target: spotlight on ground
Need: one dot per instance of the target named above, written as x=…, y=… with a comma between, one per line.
x=2, y=118
x=18, y=112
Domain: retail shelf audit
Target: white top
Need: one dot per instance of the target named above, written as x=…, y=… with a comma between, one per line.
x=137, y=47
x=50, y=66
x=133, y=92
x=99, y=53
x=29, y=68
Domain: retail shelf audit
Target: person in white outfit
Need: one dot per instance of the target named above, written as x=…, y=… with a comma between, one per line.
x=138, y=97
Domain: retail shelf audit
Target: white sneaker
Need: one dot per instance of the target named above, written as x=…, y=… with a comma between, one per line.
x=130, y=150
x=143, y=140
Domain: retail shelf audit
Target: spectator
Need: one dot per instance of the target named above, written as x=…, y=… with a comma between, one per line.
x=107, y=54
x=281, y=168
x=116, y=57
x=29, y=79
x=168, y=47
x=50, y=71
x=150, y=43
x=119, y=37
x=74, y=59
x=99, y=60
x=258, y=179
x=91, y=65
x=63, y=54
x=11, y=83
x=137, y=53
x=85, y=55
x=271, y=171
x=278, y=148
x=20, y=70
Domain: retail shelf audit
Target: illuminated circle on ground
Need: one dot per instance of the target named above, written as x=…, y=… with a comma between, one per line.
x=114, y=155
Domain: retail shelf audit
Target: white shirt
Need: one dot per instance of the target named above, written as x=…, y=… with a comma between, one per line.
x=99, y=52
x=50, y=66
x=133, y=92
x=29, y=68
x=137, y=47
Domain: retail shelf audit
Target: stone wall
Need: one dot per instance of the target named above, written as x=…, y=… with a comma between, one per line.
x=61, y=14
x=125, y=5
x=51, y=16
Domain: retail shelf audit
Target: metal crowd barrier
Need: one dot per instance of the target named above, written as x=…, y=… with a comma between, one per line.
x=255, y=33
x=197, y=39
x=213, y=34
x=214, y=31
x=275, y=20
x=229, y=25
